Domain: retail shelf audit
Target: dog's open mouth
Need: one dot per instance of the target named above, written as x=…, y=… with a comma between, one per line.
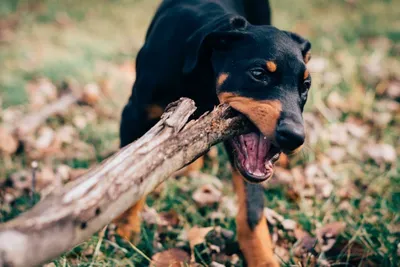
x=255, y=156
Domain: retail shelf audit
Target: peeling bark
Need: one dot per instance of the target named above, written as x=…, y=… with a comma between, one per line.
x=75, y=212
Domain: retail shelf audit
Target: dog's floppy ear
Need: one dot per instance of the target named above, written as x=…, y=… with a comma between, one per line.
x=305, y=45
x=217, y=34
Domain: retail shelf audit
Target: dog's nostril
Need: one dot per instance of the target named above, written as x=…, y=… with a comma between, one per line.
x=290, y=137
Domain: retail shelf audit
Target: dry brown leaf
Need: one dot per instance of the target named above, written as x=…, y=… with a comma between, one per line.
x=173, y=257
x=66, y=134
x=381, y=153
x=196, y=235
x=381, y=119
x=207, y=195
x=336, y=154
x=216, y=264
x=46, y=137
x=228, y=204
x=288, y=224
x=63, y=20
x=63, y=172
x=272, y=216
x=22, y=180
x=169, y=218
x=305, y=243
x=282, y=253
x=8, y=143
x=91, y=94
x=41, y=92
x=150, y=216
x=328, y=234
x=336, y=101
x=79, y=121
x=393, y=89
x=317, y=64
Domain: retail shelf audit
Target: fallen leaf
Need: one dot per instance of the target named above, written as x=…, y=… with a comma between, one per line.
x=66, y=134
x=45, y=138
x=393, y=90
x=173, y=257
x=150, y=216
x=328, y=234
x=169, y=218
x=79, y=121
x=196, y=235
x=282, y=253
x=317, y=64
x=381, y=153
x=207, y=195
x=305, y=243
x=335, y=100
x=63, y=172
x=288, y=224
x=216, y=264
x=381, y=119
x=228, y=204
x=22, y=180
x=41, y=92
x=91, y=94
x=336, y=154
x=8, y=143
x=272, y=216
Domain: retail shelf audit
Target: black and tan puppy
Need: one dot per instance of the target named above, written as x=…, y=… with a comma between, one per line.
x=215, y=51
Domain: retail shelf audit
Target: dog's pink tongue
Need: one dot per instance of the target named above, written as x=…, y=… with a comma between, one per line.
x=257, y=149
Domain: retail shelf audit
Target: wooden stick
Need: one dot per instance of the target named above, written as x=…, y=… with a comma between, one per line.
x=81, y=208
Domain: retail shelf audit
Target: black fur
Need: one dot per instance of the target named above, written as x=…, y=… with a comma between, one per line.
x=190, y=42
x=254, y=203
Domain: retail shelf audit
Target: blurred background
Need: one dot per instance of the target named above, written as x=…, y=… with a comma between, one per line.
x=336, y=202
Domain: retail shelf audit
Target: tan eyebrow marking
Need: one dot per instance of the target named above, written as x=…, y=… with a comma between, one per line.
x=271, y=66
x=221, y=79
x=306, y=74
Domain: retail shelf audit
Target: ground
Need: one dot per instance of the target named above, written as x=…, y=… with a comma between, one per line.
x=337, y=202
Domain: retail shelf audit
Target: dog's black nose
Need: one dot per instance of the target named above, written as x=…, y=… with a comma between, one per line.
x=290, y=136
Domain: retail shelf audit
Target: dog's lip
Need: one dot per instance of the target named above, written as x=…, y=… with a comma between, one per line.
x=255, y=156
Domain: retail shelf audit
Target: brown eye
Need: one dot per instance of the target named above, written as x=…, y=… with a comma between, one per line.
x=307, y=84
x=258, y=74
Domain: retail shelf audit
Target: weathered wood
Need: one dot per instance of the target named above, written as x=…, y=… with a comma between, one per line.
x=74, y=213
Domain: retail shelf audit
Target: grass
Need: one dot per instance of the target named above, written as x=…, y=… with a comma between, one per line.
x=86, y=41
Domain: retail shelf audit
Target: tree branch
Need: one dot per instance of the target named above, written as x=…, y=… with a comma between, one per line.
x=81, y=208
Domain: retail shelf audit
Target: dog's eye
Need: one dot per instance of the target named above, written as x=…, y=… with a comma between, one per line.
x=307, y=84
x=258, y=74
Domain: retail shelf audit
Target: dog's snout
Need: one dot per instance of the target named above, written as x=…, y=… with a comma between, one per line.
x=290, y=135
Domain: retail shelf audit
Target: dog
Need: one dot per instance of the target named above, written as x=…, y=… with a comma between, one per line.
x=225, y=51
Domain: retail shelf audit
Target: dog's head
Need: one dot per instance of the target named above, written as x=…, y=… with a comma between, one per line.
x=261, y=72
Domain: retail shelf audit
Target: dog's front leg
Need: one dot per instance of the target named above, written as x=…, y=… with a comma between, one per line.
x=252, y=230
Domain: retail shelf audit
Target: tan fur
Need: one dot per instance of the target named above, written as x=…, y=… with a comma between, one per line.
x=263, y=113
x=221, y=79
x=154, y=111
x=128, y=223
x=256, y=244
x=271, y=66
x=197, y=165
x=306, y=74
